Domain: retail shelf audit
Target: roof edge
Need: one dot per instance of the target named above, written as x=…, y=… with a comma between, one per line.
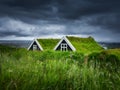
x=35, y=40
x=68, y=42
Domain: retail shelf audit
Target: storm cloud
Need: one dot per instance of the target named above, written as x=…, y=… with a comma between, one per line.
x=36, y=18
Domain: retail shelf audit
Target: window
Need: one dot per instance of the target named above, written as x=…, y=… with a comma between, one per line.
x=63, y=47
x=34, y=47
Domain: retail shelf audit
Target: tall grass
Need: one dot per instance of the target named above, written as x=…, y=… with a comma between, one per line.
x=26, y=70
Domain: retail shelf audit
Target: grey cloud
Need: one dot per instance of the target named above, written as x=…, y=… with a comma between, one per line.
x=18, y=28
x=11, y=27
x=11, y=33
x=100, y=18
x=109, y=22
x=68, y=9
x=74, y=9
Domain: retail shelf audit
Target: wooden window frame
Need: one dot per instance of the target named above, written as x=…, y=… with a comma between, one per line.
x=64, y=47
x=34, y=47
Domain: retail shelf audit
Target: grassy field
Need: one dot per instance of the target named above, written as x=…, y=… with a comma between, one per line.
x=48, y=70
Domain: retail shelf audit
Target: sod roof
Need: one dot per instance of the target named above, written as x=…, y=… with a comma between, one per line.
x=81, y=44
x=48, y=44
x=85, y=44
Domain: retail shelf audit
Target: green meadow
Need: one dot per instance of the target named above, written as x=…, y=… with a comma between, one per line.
x=54, y=70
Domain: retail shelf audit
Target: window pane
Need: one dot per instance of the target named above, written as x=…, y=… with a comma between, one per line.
x=34, y=47
x=63, y=47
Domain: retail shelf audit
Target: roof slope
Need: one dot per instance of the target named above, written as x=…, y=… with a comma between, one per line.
x=84, y=44
x=48, y=44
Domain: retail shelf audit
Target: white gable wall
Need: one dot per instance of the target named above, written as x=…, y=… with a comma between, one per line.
x=67, y=41
x=37, y=43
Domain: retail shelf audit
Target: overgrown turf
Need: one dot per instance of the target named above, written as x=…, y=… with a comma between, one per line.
x=48, y=44
x=26, y=70
x=85, y=45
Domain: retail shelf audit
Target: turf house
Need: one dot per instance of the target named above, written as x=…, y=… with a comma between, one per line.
x=35, y=45
x=66, y=43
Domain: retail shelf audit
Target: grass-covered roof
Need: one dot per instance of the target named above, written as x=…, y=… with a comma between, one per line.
x=48, y=44
x=84, y=44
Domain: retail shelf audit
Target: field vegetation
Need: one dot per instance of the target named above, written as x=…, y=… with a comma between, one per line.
x=49, y=70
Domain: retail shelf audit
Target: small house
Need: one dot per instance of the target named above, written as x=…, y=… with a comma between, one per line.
x=66, y=43
x=35, y=46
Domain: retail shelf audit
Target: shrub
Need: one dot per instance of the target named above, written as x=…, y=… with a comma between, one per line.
x=104, y=60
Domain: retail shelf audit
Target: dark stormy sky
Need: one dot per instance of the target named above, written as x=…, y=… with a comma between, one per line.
x=27, y=19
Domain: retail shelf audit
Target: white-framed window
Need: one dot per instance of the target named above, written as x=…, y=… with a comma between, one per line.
x=64, y=47
x=34, y=47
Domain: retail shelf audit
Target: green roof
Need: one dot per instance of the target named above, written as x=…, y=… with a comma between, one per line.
x=48, y=44
x=85, y=44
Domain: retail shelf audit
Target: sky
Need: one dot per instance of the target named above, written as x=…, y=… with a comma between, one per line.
x=28, y=19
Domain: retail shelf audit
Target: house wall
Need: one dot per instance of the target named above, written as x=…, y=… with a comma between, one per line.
x=59, y=47
x=31, y=48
